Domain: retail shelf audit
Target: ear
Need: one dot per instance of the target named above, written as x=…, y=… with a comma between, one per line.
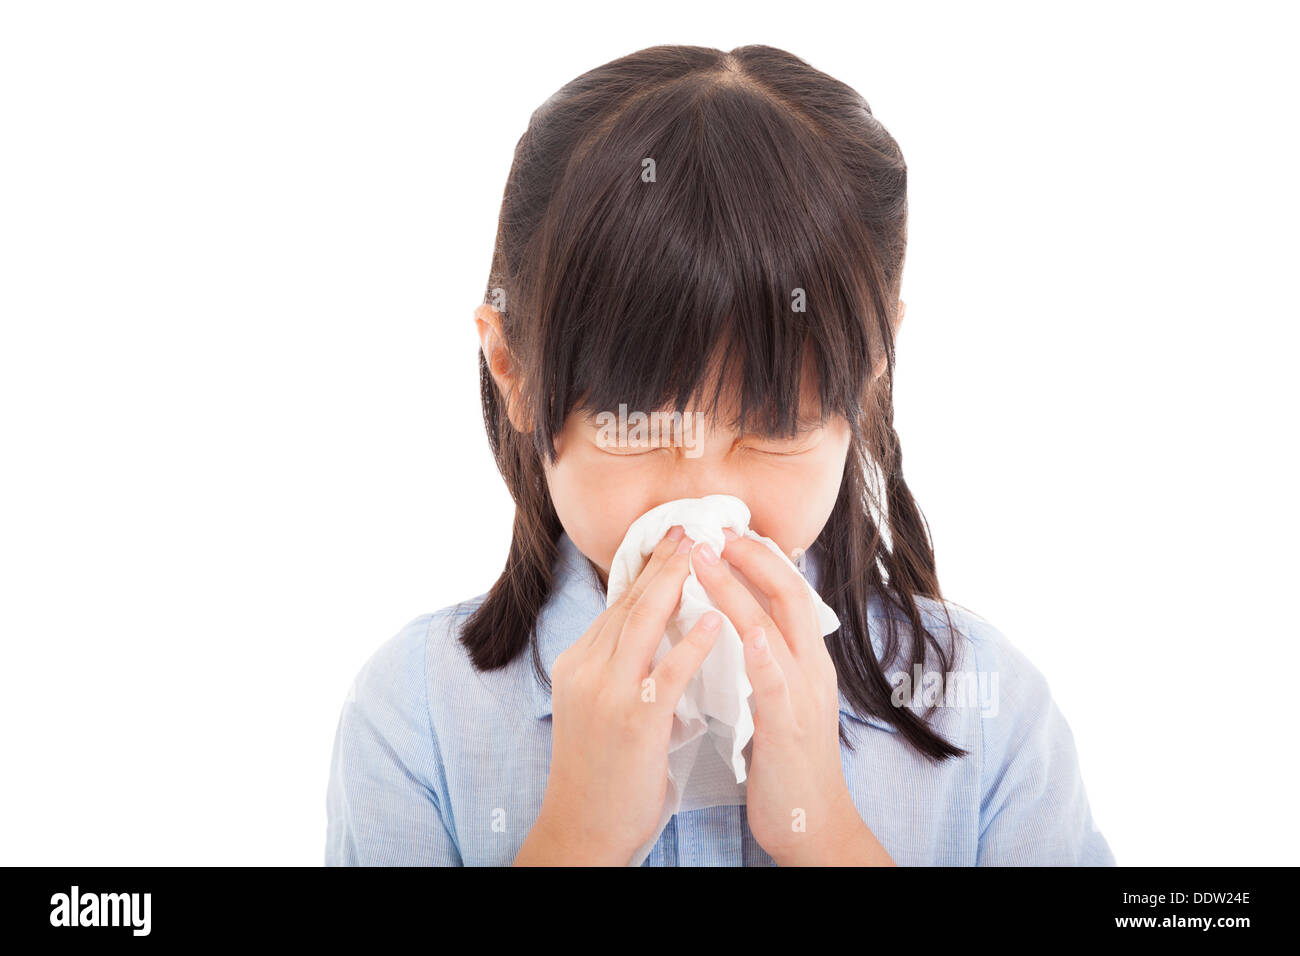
x=500, y=362
x=894, y=323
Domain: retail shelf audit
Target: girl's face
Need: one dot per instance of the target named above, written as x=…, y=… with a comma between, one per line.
x=790, y=484
x=599, y=489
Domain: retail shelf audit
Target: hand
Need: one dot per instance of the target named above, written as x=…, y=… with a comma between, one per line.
x=798, y=803
x=612, y=726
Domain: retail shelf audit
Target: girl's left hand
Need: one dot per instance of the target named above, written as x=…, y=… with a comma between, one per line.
x=798, y=803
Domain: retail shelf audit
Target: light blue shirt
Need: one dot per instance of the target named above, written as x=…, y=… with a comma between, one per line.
x=436, y=764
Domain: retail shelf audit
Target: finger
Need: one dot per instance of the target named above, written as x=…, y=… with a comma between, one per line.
x=790, y=603
x=658, y=557
x=598, y=626
x=608, y=635
x=678, y=666
x=772, y=705
x=647, y=619
x=734, y=600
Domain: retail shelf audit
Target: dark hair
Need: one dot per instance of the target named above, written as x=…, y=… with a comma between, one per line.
x=769, y=176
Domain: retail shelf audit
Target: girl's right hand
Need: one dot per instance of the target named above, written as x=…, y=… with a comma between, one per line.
x=612, y=720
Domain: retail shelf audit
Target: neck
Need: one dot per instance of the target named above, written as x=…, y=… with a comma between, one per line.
x=600, y=575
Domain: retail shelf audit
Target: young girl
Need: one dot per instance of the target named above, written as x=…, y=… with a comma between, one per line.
x=719, y=235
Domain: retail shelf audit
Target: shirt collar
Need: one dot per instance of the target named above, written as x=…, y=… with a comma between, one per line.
x=578, y=598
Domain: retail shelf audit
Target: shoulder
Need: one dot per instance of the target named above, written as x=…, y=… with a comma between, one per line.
x=388, y=799
x=1017, y=692
x=974, y=639
x=992, y=652
x=1001, y=694
x=394, y=680
x=423, y=683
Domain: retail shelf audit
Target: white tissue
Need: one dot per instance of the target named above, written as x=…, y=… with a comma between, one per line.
x=718, y=701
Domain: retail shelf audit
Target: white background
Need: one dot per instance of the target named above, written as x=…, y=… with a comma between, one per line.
x=240, y=245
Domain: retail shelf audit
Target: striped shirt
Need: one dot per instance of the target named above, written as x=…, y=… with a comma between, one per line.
x=437, y=764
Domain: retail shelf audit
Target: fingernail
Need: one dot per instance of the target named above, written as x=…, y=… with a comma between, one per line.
x=711, y=621
x=684, y=546
x=759, y=638
x=675, y=532
x=729, y=534
x=707, y=554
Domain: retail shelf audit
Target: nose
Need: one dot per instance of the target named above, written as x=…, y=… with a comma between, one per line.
x=698, y=477
x=704, y=463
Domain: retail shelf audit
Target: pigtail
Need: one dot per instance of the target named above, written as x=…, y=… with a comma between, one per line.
x=898, y=565
x=495, y=632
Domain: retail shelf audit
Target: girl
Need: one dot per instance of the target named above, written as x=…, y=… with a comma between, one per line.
x=717, y=235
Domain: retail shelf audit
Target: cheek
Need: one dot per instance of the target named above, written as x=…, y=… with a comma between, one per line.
x=792, y=506
x=596, y=498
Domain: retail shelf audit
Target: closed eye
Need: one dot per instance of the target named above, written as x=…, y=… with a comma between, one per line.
x=620, y=452
x=803, y=441
x=782, y=452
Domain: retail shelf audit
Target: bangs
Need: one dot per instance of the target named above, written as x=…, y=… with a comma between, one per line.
x=704, y=249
